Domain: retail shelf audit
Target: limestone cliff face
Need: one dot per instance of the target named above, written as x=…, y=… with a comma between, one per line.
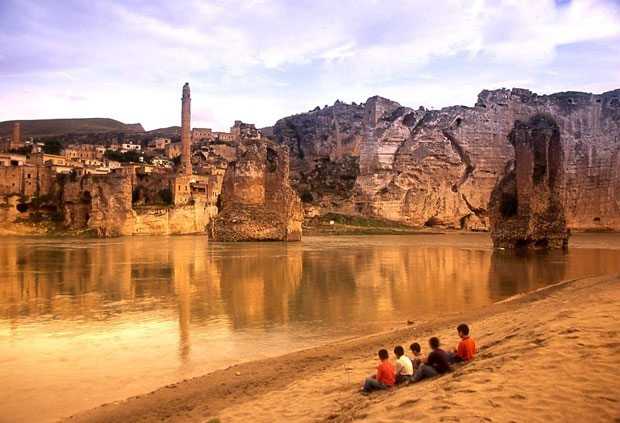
x=324, y=147
x=178, y=220
x=440, y=166
x=258, y=203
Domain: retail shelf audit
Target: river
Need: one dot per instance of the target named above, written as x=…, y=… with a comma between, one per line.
x=89, y=321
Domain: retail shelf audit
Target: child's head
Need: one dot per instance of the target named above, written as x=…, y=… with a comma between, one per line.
x=383, y=354
x=434, y=342
x=415, y=348
x=399, y=351
x=463, y=329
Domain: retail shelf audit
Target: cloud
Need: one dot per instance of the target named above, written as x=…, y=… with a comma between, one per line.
x=276, y=57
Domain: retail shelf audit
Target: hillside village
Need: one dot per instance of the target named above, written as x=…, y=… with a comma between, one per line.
x=35, y=182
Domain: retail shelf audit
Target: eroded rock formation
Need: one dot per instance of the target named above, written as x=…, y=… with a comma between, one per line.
x=421, y=166
x=257, y=201
x=101, y=205
x=526, y=209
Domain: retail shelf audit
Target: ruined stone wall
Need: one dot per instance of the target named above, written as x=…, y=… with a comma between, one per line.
x=229, y=153
x=245, y=183
x=147, y=188
x=181, y=190
x=31, y=181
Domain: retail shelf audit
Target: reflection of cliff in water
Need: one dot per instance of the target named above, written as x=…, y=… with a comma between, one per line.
x=249, y=285
x=514, y=272
x=256, y=282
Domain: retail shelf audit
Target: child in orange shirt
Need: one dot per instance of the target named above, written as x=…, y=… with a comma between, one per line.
x=466, y=348
x=385, y=376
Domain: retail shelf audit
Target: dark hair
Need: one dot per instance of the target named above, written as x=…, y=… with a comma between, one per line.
x=415, y=347
x=383, y=354
x=434, y=342
x=463, y=328
x=398, y=350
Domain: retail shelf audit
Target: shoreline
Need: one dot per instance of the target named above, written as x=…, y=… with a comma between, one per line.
x=559, y=329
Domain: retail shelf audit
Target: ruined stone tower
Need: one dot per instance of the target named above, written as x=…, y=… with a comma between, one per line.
x=257, y=201
x=16, y=138
x=526, y=208
x=186, y=122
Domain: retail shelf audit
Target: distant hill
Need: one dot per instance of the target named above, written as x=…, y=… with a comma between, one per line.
x=51, y=127
x=171, y=131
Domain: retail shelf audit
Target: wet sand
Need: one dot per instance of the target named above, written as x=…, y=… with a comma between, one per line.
x=549, y=355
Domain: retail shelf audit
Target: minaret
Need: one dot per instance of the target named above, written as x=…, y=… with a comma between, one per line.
x=186, y=122
x=16, y=138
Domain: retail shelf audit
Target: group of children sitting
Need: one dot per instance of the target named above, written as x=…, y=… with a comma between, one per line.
x=411, y=370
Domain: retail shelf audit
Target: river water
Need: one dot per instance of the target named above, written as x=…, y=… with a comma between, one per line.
x=85, y=322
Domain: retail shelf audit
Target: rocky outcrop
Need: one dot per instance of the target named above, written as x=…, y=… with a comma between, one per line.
x=101, y=205
x=178, y=220
x=438, y=167
x=526, y=209
x=257, y=202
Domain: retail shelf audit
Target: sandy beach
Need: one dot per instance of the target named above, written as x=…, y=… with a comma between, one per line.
x=550, y=355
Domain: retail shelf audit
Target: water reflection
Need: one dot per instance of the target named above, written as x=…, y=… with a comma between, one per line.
x=105, y=319
x=522, y=271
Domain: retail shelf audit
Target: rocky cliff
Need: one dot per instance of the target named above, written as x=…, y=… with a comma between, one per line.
x=438, y=167
x=102, y=206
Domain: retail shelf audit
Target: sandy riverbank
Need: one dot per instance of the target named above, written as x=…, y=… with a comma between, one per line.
x=551, y=355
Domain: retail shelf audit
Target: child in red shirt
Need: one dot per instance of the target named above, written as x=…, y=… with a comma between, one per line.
x=466, y=349
x=385, y=377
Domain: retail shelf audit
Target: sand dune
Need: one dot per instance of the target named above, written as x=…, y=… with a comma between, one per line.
x=550, y=355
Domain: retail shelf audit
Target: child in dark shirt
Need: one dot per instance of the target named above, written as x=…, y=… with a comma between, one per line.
x=436, y=363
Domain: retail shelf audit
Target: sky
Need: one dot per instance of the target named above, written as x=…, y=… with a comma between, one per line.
x=261, y=60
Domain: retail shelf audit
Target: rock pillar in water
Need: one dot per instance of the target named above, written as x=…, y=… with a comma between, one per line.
x=257, y=201
x=525, y=207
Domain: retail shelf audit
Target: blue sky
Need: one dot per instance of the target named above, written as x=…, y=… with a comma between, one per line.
x=260, y=60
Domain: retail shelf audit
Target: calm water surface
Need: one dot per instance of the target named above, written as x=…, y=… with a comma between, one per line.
x=84, y=322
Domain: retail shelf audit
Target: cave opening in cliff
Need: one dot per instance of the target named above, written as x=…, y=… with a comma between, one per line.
x=542, y=243
x=509, y=205
x=272, y=160
x=48, y=208
x=22, y=208
x=523, y=243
